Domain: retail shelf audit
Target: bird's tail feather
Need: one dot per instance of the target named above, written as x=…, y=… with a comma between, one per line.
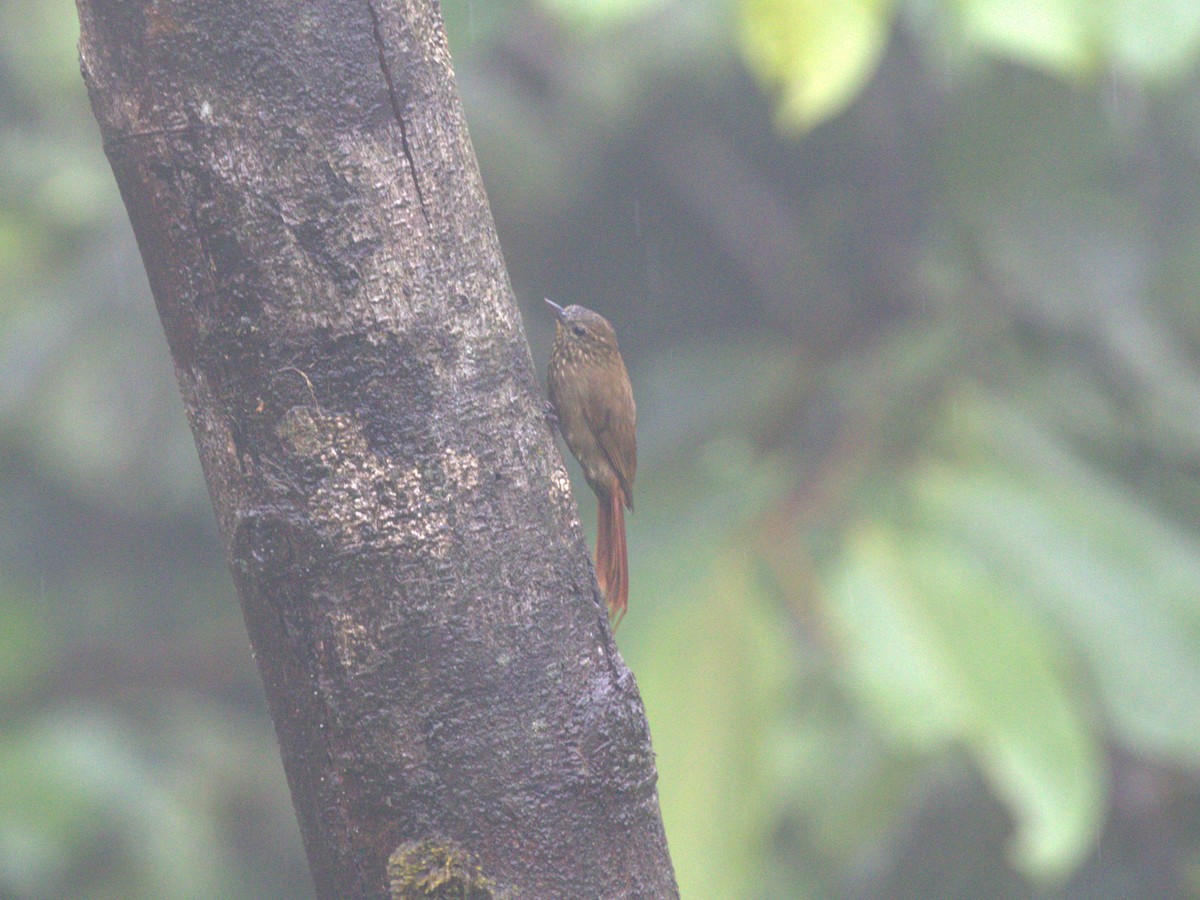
x=612, y=559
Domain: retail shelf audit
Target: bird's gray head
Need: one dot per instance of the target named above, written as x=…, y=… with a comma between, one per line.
x=587, y=330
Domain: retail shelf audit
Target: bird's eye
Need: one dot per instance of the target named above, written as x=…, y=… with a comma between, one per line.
x=579, y=330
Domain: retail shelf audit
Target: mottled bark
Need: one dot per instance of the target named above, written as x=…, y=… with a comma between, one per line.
x=398, y=522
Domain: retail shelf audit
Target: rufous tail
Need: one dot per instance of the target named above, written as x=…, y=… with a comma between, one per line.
x=612, y=559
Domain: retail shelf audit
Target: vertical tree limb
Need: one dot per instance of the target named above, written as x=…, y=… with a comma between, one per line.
x=400, y=528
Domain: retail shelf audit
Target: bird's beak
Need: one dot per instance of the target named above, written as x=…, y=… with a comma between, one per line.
x=558, y=310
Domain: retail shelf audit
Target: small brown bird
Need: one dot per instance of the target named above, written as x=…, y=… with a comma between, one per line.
x=590, y=392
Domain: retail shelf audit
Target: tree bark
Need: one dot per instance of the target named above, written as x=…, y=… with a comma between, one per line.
x=452, y=712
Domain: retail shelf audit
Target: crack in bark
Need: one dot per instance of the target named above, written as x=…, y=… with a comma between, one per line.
x=131, y=136
x=397, y=109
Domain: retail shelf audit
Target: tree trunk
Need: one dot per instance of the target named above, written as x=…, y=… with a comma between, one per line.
x=452, y=712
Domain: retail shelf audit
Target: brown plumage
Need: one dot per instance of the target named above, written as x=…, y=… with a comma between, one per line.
x=590, y=392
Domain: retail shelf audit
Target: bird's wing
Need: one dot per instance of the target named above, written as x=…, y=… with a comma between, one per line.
x=616, y=433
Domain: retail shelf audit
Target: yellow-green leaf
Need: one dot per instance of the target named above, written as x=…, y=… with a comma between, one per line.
x=818, y=54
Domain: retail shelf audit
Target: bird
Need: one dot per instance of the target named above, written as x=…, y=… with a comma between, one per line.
x=592, y=399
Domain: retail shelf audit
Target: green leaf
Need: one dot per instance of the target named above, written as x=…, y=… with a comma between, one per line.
x=76, y=783
x=1154, y=39
x=1052, y=34
x=598, y=14
x=712, y=683
x=1146, y=39
x=939, y=655
x=818, y=54
x=1119, y=579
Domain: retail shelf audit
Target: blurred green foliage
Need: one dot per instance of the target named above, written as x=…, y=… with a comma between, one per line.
x=819, y=54
x=908, y=293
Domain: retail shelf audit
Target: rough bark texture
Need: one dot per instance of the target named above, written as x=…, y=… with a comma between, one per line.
x=398, y=521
